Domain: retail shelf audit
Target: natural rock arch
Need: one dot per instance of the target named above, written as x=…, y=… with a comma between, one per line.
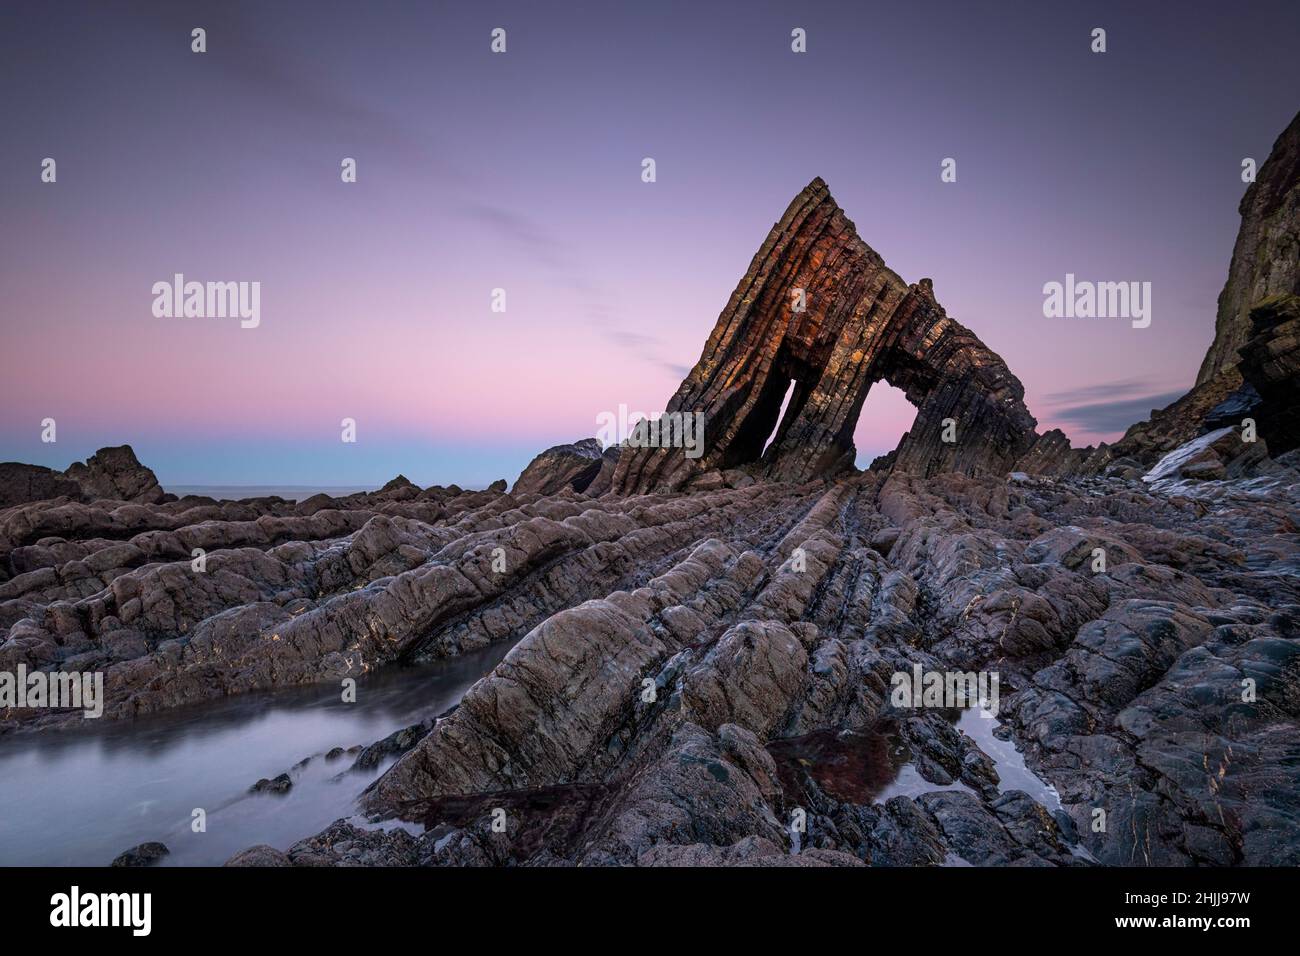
x=859, y=323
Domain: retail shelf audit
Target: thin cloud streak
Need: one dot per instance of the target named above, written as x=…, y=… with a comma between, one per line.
x=1117, y=416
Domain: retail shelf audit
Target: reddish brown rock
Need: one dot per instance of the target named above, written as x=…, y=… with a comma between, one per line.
x=690, y=669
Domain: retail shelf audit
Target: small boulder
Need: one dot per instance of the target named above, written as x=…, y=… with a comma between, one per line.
x=278, y=785
x=260, y=855
x=146, y=854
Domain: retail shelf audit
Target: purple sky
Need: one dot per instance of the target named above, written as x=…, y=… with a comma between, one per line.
x=522, y=171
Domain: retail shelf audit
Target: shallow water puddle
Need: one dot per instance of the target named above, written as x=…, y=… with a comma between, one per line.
x=1007, y=760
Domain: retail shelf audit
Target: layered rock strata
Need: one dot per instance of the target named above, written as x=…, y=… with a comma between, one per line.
x=1270, y=365
x=684, y=717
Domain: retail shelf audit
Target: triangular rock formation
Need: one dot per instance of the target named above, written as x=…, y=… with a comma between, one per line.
x=819, y=308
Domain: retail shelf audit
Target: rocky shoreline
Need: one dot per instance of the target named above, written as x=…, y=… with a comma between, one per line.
x=710, y=646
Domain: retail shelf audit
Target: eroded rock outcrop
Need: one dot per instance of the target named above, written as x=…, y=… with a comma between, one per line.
x=683, y=717
x=1263, y=388
x=561, y=466
x=111, y=473
x=21, y=483
x=146, y=854
x=1178, y=423
x=691, y=669
x=116, y=474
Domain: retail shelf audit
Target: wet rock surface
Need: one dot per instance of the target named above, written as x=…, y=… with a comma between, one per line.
x=279, y=784
x=702, y=670
x=1218, y=454
x=705, y=677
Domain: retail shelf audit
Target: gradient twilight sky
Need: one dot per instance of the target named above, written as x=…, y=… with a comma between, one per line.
x=522, y=171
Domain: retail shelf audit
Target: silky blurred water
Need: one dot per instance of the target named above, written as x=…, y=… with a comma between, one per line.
x=82, y=796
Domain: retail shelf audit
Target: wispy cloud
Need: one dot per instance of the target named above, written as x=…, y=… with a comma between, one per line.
x=1080, y=409
x=295, y=88
x=523, y=233
x=631, y=340
x=1124, y=388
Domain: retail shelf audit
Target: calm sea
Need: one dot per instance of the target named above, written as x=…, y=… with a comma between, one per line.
x=288, y=492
